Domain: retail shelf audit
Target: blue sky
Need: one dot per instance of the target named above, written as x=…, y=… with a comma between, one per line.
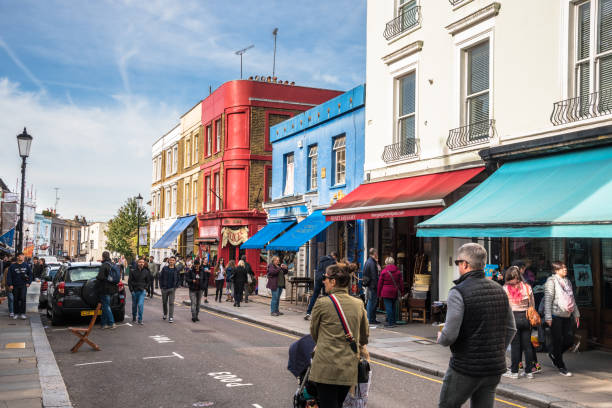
x=97, y=82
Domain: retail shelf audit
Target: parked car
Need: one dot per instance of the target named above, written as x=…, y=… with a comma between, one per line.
x=49, y=259
x=45, y=279
x=72, y=293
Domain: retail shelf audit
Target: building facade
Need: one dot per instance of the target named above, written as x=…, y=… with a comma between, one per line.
x=93, y=241
x=236, y=166
x=456, y=92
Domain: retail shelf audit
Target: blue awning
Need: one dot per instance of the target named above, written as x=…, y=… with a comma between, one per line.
x=563, y=196
x=266, y=234
x=174, y=231
x=297, y=236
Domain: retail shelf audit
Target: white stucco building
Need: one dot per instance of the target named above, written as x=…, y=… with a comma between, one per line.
x=93, y=241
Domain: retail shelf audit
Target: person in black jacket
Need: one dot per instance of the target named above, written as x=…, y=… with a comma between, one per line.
x=197, y=279
x=371, y=270
x=168, y=281
x=18, y=281
x=250, y=278
x=240, y=278
x=105, y=290
x=324, y=262
x=206, y=273
x=138, y=282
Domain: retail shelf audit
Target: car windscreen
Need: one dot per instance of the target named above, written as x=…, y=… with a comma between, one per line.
x=51, y=272
x=82, y=273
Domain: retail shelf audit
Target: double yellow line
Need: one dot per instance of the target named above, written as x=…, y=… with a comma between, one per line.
x=257, y=326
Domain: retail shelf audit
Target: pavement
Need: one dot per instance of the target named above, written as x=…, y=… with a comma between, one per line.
x=413, y=346
x=29, y=376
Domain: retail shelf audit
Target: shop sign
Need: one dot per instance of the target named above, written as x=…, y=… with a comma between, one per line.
x=234, y=221
x=209, y=231
x=385, y=214
x=489, y=270
x=294, y=211
x=234, y=236
x=583, y=275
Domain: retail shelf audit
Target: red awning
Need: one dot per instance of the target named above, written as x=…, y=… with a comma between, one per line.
x=410, y=196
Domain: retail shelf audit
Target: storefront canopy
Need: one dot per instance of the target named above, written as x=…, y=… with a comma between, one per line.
x=411, y=196
x=174, y=231
x=297, y=236
x=565, y=195
x=266, y=234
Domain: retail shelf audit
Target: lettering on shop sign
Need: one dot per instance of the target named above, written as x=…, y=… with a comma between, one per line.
x=230, y=380
x=161, y=339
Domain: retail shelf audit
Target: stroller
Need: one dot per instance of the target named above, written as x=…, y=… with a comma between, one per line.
x=300, y=357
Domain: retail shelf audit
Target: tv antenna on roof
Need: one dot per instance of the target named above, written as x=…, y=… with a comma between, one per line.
x=240, y=52
x=274, y=33
x=56, y=197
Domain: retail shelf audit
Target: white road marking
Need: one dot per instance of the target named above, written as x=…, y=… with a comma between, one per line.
x=160, y=338
x=257, y=406
x=174, y=354
x=95, y=362
x=178, y=355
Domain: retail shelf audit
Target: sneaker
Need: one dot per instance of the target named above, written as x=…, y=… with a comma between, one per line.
x=171, y=320
x=530, y=375
x=103, y=327
x=280, y=313
x=307, y=317
x=537, y=368
x=563, y=371
x=113, y=326
x=12, y=315
x=205, y=301
x=140, y=322
x=23, y=316
x=15, y=317
x=274, y=314
x=510, y=374
x=134, y=319
x=164, y=317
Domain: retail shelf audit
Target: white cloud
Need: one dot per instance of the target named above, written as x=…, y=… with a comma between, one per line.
x=96, y=156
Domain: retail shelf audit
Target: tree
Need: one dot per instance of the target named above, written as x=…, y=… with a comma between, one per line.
x=48, y=213
x=122, y=229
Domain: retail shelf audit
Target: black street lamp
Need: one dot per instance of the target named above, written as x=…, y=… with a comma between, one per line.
x=23, y=142
x=138, y=204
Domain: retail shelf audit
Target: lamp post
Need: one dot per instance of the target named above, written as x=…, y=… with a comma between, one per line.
x=23, y=142
x=138, y=203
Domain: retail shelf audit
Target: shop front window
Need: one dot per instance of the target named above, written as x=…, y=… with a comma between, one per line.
x=606, y=257
x=538, y=254
x=579, y=270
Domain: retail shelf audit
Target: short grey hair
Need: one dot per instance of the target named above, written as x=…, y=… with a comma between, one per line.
x=474, y=254
x=389, y=261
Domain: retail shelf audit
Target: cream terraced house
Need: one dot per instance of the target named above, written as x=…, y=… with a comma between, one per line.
x=457, y=88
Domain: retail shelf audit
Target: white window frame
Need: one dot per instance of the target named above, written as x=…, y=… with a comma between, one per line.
x=186, y=202
x=338, y=148
x=289, y=174
x=397, y=137
x=209, y=139
x=218, y=135
x=466, y=77
x=154, y=167
x=313, y=158
x=174, y=200
x=196, y=139
x=207, y=193
x=217, y=190
x=167, y=202
x=175, y=159
x=187, y=157
x=168, y=162
x=194, y=196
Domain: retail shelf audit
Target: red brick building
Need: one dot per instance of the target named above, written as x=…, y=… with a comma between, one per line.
x=236, y=174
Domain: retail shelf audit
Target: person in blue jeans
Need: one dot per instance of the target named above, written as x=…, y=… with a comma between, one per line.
x=371, y=271
x=18, y=281
x=275, y=271
x=324, y=262
x=390, y=288
x=106, y=290
x=138, y=282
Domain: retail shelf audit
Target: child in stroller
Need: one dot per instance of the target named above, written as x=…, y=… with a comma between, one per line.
x=300, y=357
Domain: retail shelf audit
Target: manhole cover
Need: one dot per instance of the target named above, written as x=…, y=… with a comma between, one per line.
x=202, y=331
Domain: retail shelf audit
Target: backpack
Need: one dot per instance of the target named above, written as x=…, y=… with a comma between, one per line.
x=114, y=276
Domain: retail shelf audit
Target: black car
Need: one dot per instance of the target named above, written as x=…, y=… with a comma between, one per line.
x=45, y=279
x=72, y=293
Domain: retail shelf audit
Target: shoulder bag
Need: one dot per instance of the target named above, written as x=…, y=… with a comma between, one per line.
x=363, y=367
x=399, y=292
x=532, y=313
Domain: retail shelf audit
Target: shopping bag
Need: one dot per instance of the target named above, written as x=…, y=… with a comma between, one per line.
x=358, y=395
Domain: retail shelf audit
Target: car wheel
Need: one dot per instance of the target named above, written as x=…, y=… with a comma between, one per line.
x=55, y=319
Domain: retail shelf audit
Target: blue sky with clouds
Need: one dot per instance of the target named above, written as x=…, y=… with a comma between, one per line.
x=97, y=82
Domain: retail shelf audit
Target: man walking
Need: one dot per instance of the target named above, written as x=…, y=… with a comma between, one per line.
x=479, y=327
x=371, y=272
x=324, y=262
x=106, y=289
x=168, y=280
x=197, y=279
x=250, y=278
x=138, y=281
x=18, y=281
x=154, y=269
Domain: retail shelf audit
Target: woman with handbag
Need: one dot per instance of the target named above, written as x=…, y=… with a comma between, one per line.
x=521, y=300
x=390, y=284
x=559, y=310
x=239, y=277
x=339, y=326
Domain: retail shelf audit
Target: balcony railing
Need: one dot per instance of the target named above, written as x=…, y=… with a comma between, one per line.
x=582, y=107
x=472, y=134
x=406, y=149
x=403, y=22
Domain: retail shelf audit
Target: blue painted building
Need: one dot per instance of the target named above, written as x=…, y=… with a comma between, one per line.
x=317, y=158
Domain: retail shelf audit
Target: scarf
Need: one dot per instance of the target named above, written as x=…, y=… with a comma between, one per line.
x=564, y=294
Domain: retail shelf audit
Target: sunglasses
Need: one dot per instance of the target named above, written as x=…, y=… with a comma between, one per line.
x=328, y=277
x=458, y=261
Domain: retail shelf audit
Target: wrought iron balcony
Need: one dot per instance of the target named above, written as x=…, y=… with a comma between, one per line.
x=403, y=22
x=582, y=107
x=406, y=149
x=472, y=134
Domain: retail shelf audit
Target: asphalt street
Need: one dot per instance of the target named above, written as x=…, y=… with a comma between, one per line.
x=218, y=362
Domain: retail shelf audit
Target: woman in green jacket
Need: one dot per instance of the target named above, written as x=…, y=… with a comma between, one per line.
x=334, y=366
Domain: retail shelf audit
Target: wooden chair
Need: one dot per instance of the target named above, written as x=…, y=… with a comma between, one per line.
x=422, y=318
x=83, y=334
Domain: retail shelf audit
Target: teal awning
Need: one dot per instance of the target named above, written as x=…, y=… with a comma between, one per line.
x=266, y=234
x=297, y=236
x=174, y=231
x=563, y=195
